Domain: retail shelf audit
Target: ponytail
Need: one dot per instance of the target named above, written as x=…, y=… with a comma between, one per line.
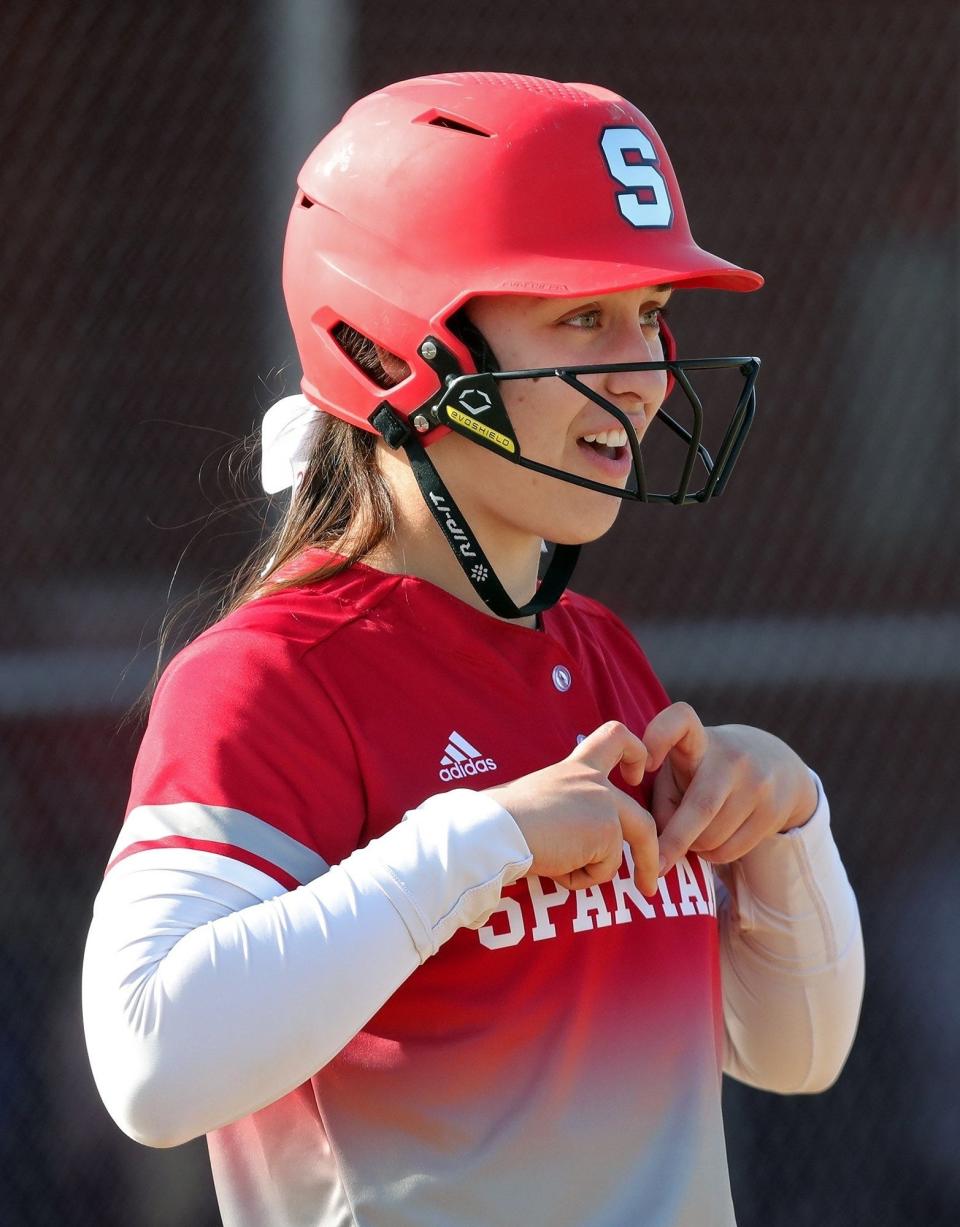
x=342, y=505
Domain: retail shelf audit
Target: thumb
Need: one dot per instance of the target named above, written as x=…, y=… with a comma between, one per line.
x=610, y=745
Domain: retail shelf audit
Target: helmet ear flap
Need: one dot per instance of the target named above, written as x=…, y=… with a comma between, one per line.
x=466, y=331
x=669, y=344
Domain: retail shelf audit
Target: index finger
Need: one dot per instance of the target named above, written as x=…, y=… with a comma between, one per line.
x=640, y=834
x=676, y=727
x=610, y=745
x=703, y=800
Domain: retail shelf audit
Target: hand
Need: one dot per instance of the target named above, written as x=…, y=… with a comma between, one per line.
x=575, y=821
x=720, y=791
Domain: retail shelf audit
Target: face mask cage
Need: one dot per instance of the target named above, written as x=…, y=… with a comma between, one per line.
x=472, y=406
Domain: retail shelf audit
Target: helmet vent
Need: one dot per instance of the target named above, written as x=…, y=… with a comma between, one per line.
x=444, y=121
x=366, y=357
x=305, y=202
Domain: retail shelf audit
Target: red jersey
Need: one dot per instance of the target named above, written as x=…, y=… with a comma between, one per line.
x=559, y=1064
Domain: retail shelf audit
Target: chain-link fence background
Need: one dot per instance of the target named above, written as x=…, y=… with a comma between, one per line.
x=149, y=155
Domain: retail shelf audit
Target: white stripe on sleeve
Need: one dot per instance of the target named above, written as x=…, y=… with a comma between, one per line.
x=204, y=1001
x=218, y=824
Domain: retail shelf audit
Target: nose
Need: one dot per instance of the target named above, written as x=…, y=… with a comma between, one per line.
x=637, y=392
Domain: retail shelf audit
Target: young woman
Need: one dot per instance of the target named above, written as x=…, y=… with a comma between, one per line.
x=414, y=911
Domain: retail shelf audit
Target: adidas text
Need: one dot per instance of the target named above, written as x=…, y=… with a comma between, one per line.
x=472, y=766
x=461, y=759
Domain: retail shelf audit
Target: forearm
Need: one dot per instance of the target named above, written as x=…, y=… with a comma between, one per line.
x=792, y=961
x=210, y=992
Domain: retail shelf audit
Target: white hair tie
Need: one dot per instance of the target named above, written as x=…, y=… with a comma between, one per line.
x=284, y=442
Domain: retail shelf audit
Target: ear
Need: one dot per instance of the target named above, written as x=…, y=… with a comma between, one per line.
x=394, y=368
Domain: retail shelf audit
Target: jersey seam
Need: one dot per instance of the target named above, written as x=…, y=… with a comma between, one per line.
x=572, y=603
x=335, y=708
x=338, y=706
x=819, y=903
x=336, y=1150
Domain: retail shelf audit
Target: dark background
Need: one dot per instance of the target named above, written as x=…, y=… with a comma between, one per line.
x=149, y=157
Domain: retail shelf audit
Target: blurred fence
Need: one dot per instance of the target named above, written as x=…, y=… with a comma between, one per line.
x=149, y=158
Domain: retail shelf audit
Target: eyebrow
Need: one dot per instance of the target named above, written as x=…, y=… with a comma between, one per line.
x=654, y=289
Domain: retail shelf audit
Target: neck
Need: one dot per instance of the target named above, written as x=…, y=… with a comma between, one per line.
x=418, y=547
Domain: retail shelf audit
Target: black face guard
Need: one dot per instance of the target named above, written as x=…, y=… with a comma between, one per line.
x=471, y=405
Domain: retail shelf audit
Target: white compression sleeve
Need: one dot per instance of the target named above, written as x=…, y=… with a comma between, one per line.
x=209, y=992
x=791, y=961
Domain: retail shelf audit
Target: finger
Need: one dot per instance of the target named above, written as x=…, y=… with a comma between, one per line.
x=677, y=727
x=610, y=745
x=666, y=796
x=744, y=839
x=701, y=803
x=603, y=868
x=640, y=832
x=734, y=812
x=587, y=876
x=636, y=827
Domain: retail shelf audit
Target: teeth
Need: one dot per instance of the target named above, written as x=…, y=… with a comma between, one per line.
x=608, y=438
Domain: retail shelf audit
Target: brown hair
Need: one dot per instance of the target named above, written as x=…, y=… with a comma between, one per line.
x=342, y=505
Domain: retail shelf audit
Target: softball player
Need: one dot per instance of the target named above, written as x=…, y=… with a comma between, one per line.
x=429, y=906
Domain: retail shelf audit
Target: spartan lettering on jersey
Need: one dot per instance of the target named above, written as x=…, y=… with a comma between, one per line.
x=632, y=160
x=596, y=907
x=453, y=528
x=461, y=759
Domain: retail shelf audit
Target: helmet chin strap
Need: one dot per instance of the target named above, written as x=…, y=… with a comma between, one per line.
x=470, y=557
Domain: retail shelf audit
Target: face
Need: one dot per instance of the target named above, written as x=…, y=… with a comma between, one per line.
x=555, y=424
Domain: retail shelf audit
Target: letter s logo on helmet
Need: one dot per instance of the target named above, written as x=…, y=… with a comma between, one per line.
x=434, y=190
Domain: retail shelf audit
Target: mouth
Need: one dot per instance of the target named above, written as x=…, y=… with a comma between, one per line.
x=607, y=452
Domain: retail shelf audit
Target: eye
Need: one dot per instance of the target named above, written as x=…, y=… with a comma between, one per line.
x=590, y=318
x=652, y=318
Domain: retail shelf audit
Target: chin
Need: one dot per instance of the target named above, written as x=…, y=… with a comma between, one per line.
x=582, y=525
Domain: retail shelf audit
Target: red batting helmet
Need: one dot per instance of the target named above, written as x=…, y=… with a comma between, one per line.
x=438, y=189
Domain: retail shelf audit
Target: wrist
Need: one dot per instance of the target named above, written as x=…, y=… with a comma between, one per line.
x=806, y=806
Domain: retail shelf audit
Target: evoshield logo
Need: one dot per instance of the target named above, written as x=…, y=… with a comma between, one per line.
x=478, y=428
x=475, y=401
x=461, y=760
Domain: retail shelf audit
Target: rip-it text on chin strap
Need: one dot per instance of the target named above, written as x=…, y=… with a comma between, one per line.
x=468, y=552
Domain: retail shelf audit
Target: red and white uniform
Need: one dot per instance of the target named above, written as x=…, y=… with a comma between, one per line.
x=380, y=1021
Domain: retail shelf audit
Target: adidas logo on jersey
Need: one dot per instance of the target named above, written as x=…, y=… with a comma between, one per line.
x=461, y=759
